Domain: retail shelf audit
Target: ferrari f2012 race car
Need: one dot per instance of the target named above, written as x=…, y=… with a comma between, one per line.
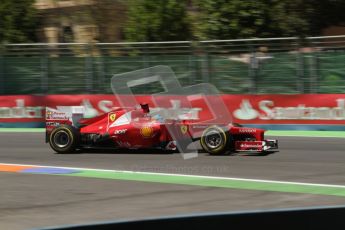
x=136, y=128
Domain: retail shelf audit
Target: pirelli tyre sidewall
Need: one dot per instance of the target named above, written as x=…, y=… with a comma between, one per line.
x=64, y=139
x=215, y=140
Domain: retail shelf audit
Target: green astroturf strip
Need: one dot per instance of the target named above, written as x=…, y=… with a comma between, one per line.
x=214, y=182
x=23, y=130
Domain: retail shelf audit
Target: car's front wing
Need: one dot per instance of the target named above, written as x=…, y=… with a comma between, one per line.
x=256, y=146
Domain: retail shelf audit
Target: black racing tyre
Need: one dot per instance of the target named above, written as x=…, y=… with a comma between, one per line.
x=64, y=139
x=215, y=140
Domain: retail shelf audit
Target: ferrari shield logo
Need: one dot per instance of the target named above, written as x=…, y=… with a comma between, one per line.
x=112, y=117
x=184, y=129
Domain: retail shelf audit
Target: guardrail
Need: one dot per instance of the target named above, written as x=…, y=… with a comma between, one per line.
x=244, y=66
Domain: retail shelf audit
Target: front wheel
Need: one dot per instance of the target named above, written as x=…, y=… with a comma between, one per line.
x=64, y=139
x=215, y=140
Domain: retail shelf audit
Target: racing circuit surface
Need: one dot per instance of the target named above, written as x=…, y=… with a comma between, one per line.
x=36, y=201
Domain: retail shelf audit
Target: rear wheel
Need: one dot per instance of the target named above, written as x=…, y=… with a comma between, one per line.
x=215, y=140
x=64, y=139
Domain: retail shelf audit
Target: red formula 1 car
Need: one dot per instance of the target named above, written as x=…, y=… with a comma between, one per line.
x=67, y=130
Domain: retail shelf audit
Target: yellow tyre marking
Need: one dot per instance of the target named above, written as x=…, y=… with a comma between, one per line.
x=58, y=129
x=220, y=147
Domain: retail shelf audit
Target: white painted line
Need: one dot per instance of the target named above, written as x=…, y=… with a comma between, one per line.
x=186, y=175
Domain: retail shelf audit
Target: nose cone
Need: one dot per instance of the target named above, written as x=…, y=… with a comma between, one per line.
x=260, y=134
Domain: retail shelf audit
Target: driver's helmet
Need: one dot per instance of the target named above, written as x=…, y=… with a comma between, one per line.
x=145, y=107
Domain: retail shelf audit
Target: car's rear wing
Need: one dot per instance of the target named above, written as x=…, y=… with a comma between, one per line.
x=69, y=115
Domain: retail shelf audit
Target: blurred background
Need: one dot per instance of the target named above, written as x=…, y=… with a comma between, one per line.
x=242, y=47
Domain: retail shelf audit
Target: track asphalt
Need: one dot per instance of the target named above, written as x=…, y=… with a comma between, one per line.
x=32, y=199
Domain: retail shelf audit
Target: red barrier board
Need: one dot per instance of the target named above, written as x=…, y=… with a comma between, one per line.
x=245, y=109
